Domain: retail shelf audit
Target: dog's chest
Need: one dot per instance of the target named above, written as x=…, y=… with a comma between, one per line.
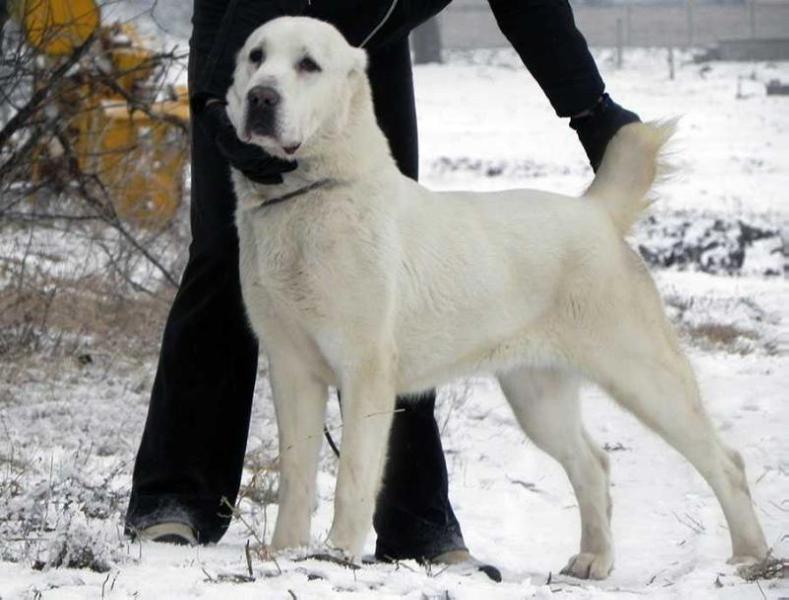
x=290, y=256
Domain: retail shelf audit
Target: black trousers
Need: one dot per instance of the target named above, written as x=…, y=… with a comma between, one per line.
x=193, y=445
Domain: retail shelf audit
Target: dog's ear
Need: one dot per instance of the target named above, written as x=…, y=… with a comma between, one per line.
x=358, y=61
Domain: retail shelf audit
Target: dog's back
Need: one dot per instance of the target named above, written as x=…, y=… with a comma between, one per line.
x=514, y=261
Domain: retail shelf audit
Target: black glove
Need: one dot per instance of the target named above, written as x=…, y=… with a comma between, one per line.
x=597, y=126
x=250, y=159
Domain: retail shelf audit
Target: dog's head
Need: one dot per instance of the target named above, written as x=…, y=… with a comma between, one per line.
x=293, y=83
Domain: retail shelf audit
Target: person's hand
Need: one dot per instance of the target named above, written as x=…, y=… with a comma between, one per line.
x=595, y=127
x=250, y=159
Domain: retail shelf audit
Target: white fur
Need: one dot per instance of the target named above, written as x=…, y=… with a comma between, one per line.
x=379, y=286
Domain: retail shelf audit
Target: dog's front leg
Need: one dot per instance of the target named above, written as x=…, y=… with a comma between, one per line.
x=300, y=404
x=368, y=401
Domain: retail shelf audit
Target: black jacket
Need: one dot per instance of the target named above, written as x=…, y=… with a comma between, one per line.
x=222, y=26
x=541, y=31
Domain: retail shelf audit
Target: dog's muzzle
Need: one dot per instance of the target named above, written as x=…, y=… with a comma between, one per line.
x=262, y=102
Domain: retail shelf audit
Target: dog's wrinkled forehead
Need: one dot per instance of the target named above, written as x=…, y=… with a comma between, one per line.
x=289, y=41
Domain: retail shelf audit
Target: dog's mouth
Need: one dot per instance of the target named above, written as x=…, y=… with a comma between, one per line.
x=262, y=126
x=259, y=124
x=268, y=138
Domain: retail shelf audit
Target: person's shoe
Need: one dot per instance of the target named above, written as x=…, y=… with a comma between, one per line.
x=169, y=533
x=596, y=126
x=462, y=560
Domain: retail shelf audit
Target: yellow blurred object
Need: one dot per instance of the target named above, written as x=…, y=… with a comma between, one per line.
x=138, y=155
x=133, y=62
x=142, y=162
x=57, y=27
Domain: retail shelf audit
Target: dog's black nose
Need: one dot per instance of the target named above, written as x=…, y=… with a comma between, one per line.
x=262, y=96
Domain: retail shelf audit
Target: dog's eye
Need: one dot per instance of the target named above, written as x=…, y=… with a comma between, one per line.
x=256, y=56
x=307, y=65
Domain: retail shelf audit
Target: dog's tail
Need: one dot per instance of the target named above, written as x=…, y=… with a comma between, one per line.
x=632, y=162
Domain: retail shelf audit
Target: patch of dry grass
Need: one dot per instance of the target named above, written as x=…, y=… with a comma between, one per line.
x=723, y=336
x=60, y=317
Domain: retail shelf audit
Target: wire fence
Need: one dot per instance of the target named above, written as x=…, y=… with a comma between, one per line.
x=467, y=24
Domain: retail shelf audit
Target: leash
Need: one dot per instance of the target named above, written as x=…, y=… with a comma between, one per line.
x=294, y=194
x=377, y=28
x=330, y=439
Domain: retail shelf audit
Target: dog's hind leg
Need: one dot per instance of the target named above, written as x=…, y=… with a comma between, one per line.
x=300, y=405
x=545, y=402
x=368, y=402
x=635, y=356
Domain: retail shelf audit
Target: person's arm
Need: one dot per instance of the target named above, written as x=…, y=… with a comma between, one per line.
x=374, y=24
x=222, y=26
x=220, y=29
x=544, y=34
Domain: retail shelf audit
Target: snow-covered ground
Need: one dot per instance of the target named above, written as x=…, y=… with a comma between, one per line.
x=69, y=430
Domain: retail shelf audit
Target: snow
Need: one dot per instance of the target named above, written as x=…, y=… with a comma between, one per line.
x=71, y=430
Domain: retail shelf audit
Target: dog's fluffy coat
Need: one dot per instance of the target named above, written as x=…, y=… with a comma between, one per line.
x=378, y=286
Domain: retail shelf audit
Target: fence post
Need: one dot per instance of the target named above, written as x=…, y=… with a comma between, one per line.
x=671, y=63
x=629, y=25
x=426, y=42
x=619, y=42
x=752, y=17
x=690, y=22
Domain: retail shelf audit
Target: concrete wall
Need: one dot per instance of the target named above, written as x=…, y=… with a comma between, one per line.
x=470, y=24
x=756, y=49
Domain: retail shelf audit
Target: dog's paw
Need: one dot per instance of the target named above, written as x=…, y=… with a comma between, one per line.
x=769, y=567
x=327, y=553
x=589, y=566
x=744, y=559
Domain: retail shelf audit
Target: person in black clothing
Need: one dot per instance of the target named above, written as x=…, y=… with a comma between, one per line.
x=192, y=449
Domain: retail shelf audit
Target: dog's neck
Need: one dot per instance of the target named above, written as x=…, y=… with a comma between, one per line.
x=356, y=150
x=361, y=148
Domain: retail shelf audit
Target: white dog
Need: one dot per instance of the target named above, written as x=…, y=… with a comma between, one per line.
x=356, y=277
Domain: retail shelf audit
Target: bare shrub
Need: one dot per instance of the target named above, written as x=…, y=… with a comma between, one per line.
x=723, y=335
x=263, y=466
x=81, y=545
x=86, y=250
